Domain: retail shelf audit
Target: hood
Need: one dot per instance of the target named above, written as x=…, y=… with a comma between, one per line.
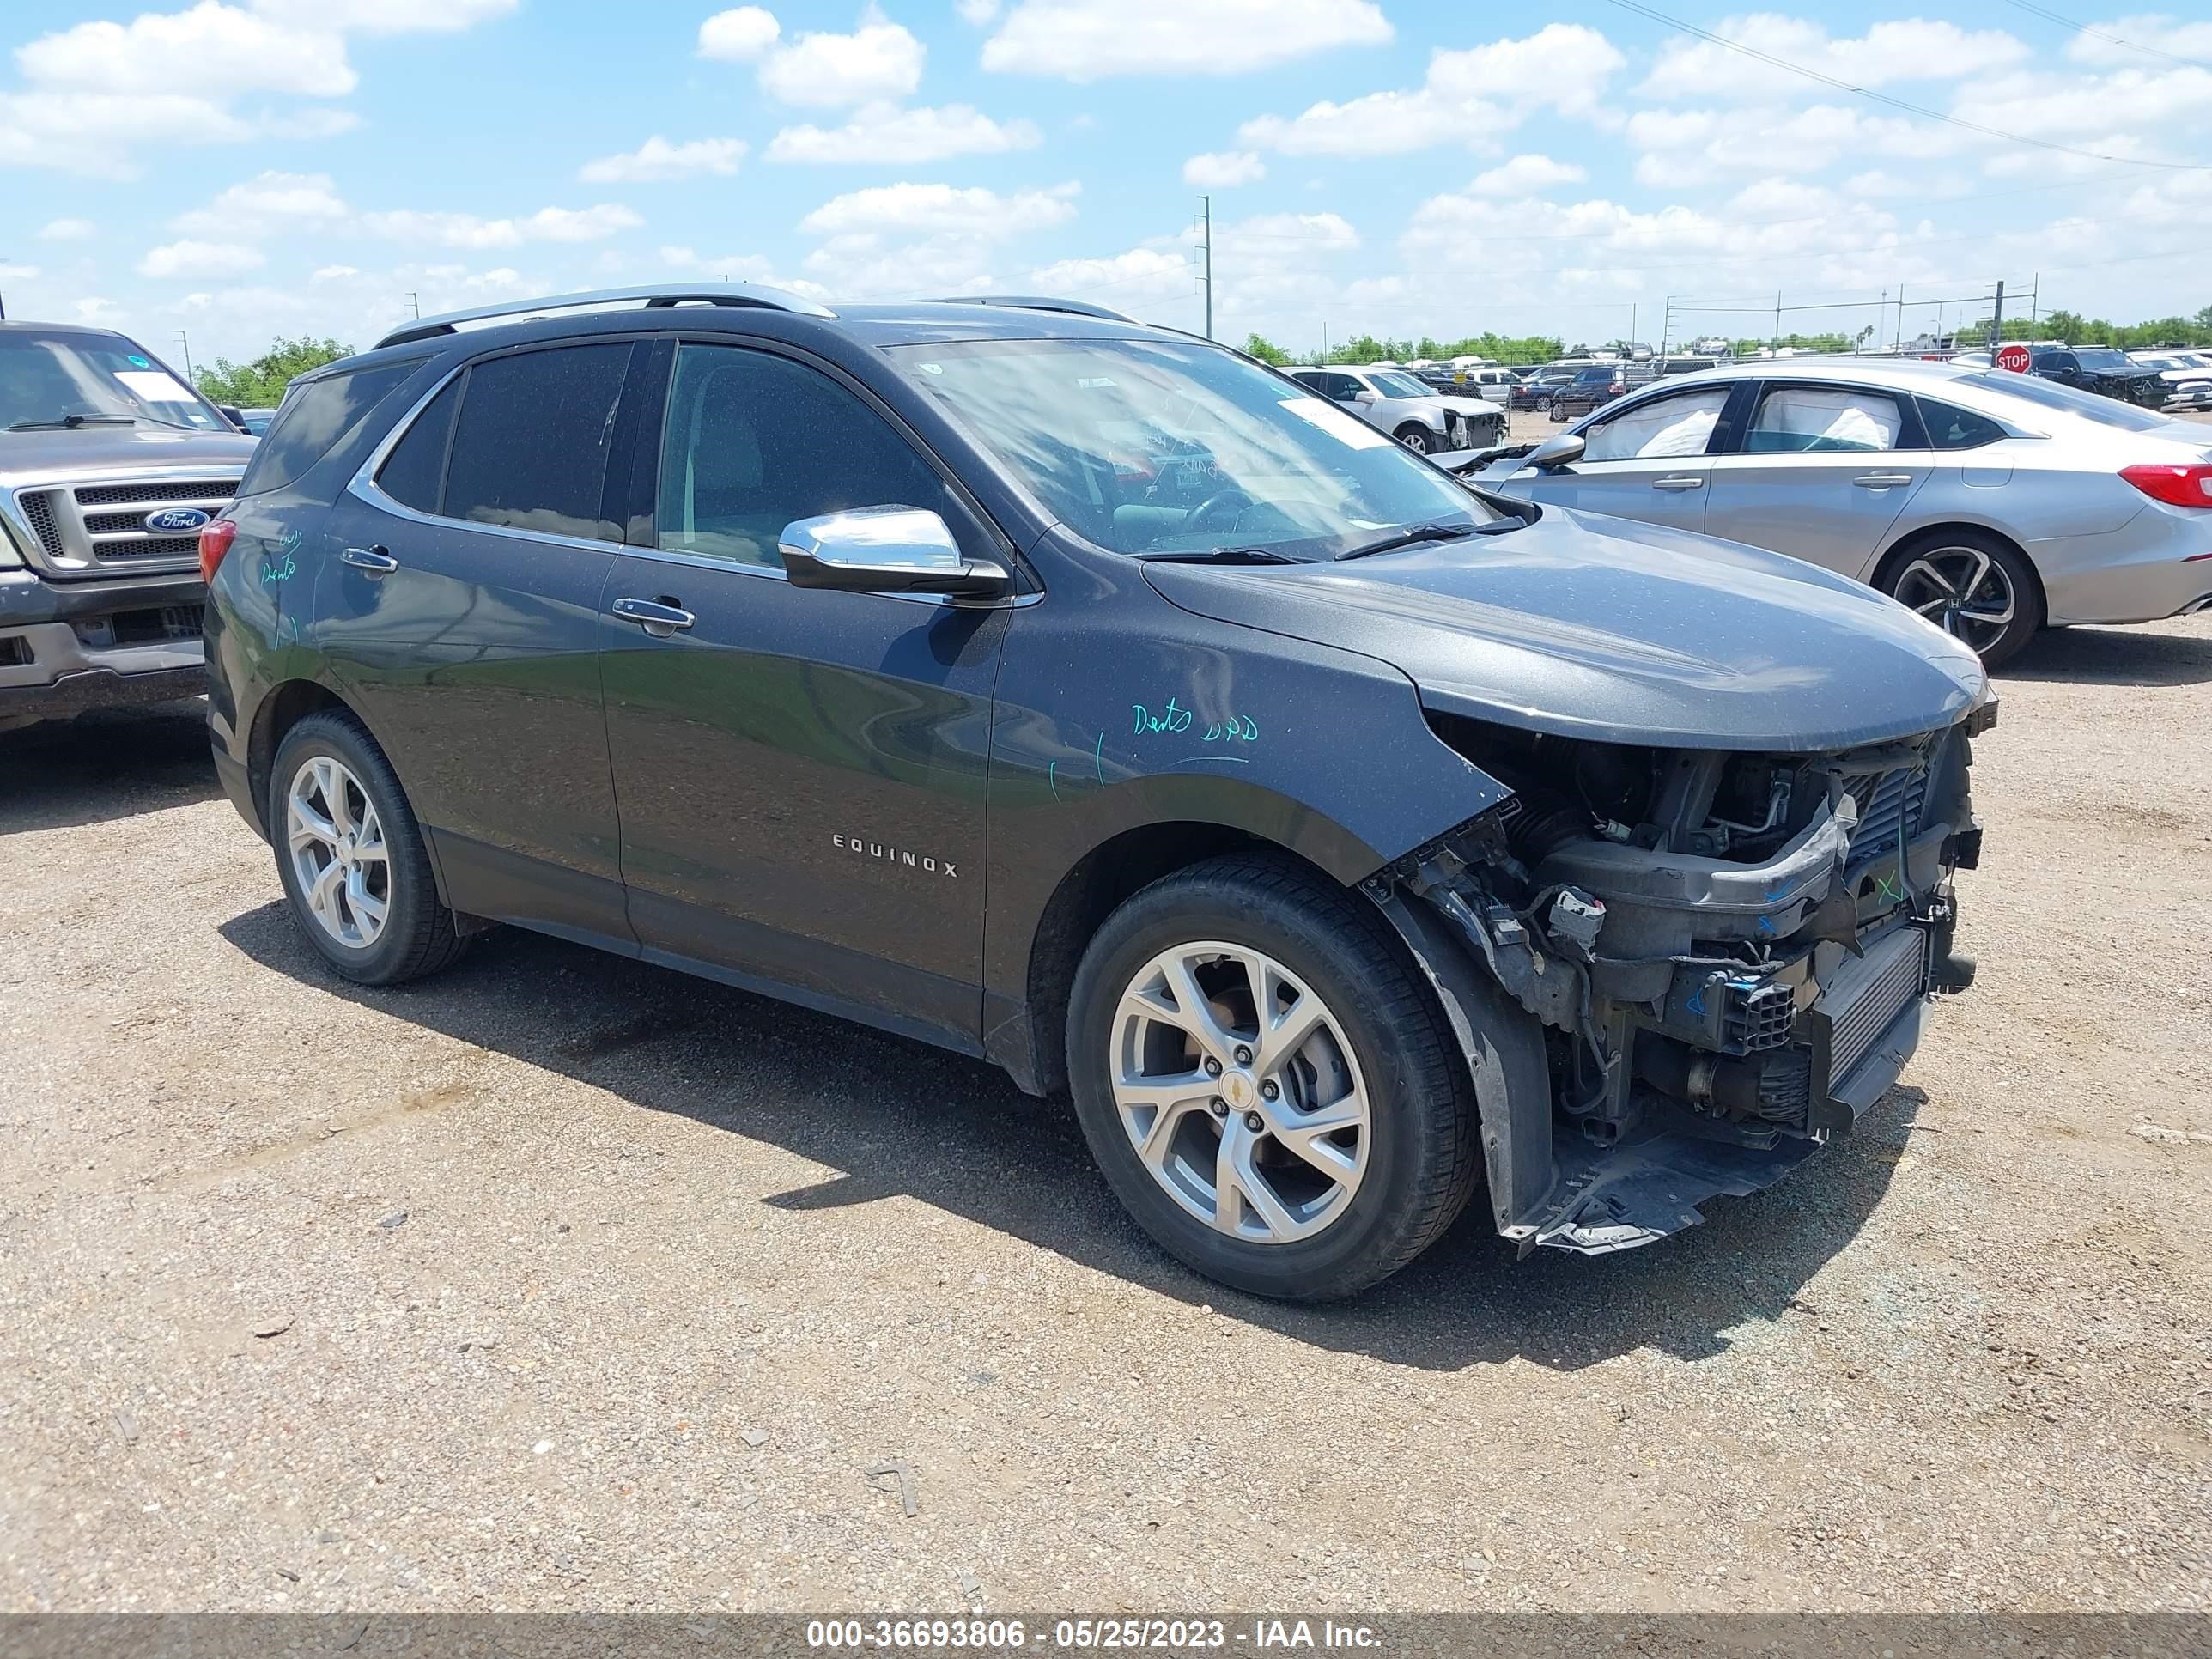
x=1590, y=626
x=93, y=452
x=1469, y=405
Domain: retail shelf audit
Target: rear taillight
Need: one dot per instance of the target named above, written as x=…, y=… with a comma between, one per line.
x=215, y=542
x=2175, y=485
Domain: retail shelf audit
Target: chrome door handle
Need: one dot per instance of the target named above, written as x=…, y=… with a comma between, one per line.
x=373, y=560
x=1678, y=483
x=1883, y=480
x=655, y=618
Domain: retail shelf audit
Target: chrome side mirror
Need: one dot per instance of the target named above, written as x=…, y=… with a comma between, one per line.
x=885, y=550
x=1555, y=452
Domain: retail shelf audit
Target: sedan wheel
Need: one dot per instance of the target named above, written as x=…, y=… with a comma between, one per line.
x=1977, y=592
x=338, y=851
x=1417, y=439
x=1239, y=1093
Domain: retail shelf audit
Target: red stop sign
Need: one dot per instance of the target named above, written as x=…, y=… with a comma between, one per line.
x=2015, y=358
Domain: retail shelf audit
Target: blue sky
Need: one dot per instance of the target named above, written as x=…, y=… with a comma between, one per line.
x=239, y=168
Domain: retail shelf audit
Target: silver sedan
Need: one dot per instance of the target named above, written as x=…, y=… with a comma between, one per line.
x=1991, y=503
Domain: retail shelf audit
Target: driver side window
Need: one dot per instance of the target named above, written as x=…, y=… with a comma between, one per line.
x=753, y=441
x=1671, y=427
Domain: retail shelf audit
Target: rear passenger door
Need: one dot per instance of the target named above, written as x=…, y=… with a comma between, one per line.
x=800, y=772
x=1821, y=472
x=1644, y=460
x=461, y=608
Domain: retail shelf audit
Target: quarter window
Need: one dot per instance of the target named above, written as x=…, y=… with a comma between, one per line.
x=530, y=443
x=314, y=417
x=1800, y=420
x=1952, y=428
x=754, y=441
x=1674, y=426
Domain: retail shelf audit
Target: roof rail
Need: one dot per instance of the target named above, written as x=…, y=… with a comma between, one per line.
x=1032, y=303
x=655, y=296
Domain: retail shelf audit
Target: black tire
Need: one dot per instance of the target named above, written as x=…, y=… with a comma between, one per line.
x=417, y=936
x=1903, y=579
x=1541, y=404
x=1423, y=1162
x=1416, y=438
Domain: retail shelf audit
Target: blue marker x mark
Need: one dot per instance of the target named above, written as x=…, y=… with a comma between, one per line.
x=1766, y=924
x=1696, y=1005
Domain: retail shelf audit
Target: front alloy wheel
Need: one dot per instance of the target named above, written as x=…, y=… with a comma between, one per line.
x=1417, y=439
x=1239, y=1093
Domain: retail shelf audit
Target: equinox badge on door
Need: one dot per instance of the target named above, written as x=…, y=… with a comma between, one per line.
x=876, y=849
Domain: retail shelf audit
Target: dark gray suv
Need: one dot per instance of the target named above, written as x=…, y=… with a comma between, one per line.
x=1089, y=697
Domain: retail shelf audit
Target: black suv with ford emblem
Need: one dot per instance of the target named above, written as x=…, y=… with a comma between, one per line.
x=1092, y=698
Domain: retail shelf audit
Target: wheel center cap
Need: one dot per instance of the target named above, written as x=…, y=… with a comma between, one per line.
x=1238, y=1089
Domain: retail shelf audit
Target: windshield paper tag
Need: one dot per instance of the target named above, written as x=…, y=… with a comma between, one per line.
x=152, y=386
x=1334, y=421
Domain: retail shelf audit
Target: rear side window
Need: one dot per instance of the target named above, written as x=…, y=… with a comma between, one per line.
x=1804, y=420
x=414, y=471
x=530, y=443
x=1952, y=428
x=314, y=416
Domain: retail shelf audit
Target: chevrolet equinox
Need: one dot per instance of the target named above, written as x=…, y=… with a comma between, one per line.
x=1089, y=697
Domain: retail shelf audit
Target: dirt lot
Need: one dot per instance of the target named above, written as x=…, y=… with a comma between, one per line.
x=563, y=1282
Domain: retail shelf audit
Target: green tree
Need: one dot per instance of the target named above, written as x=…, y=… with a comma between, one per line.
x=1266, y=350
x=260, y=383
x=2066, y=326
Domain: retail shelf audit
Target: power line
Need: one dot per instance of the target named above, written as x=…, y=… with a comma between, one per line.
x=1921, y=110
x=2049, y=16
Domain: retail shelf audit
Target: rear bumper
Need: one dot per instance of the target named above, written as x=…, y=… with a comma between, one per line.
x=2158, y=564
x=65, y=648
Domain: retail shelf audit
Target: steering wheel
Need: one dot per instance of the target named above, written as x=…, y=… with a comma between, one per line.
x=1231, y=496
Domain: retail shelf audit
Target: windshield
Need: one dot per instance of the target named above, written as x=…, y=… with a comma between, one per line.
x=1155, y=446
x=1401, y=386
x=46, y=379
x=2104, y=357
x=2049, y=393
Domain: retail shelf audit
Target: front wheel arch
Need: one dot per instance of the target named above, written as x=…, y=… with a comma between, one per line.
x=1908, y=548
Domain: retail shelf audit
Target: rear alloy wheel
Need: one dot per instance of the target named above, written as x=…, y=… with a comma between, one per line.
x=1418, y=439
x=1975, y=589
x=1268, y=1083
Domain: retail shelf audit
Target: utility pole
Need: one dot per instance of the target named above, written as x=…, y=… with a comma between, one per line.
x=1997, y=320
x=185, y=341
x=1898, y=344
x=413, y=301
x=2034, y=304
x=1207, y=209
x=1632, y=328
x=1666, y=327
x=1778, y=319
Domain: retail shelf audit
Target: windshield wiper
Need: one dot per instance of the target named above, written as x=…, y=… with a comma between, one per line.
x=1411, y=535
x=70, y=423
x=1221, y=555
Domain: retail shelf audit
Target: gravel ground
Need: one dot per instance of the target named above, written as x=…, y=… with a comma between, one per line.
x=561, y=1282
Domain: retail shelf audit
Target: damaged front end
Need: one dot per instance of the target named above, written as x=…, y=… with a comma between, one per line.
x=1727, y=956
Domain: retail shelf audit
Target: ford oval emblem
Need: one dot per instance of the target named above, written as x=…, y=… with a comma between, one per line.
x=174, y=520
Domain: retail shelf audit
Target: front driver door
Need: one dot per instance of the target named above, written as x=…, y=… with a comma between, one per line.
x=1821, y=474
x=1644, y=461
x=801, y=773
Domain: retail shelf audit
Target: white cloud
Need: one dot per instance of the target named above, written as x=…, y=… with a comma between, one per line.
x=191, y=258
x=1315, y=233
x=96, y=309
x=264, y=201
x=879, y=61
x=389, y=16
x=738, y=36
x=1527, y=175
x=884, y=133
x=2168, y=34
x=1224, y=169
x=657, y=159
x=1912, y=49
x=332, y=273
x=67, y=230
x=19, y=273
x=1468, y=97
x=978, y=12
x=1090, y=40
x=937, y=208
x=1695, y=149
x=467, y=230
x=235, y=50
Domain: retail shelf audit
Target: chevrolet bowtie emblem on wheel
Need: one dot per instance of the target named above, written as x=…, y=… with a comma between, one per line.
x=890, y=854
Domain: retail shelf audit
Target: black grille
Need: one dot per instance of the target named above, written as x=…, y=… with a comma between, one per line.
x=15, y=653
x=40, y=512
x=194, y=489
x=154, y=547
x=1889, y=804
x=110, y=523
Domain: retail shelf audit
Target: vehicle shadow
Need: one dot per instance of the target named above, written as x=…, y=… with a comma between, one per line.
x=899, y=1117
x=110, y=763
x=2114, y=656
